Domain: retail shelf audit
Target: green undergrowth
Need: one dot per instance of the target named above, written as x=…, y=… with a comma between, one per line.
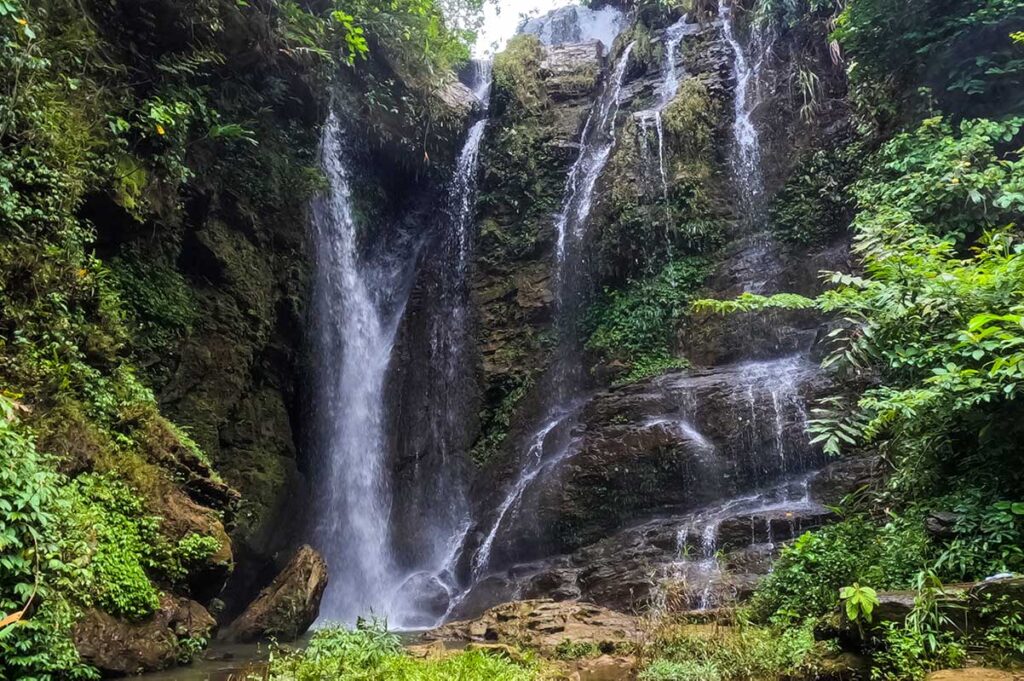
x=635, y=326
x=121, y=124
x=371, y=653
x=743, y=652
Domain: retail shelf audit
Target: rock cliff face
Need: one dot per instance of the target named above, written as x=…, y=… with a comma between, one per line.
x=717, y=454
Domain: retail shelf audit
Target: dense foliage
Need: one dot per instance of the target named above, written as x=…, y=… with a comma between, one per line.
x=634, y=326
x=928, y=328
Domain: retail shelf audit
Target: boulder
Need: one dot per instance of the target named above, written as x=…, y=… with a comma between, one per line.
x=604, y=668
x=971, y=604
x=286, y=608
x=117, y=647
x=840, y=478
x=941, y=524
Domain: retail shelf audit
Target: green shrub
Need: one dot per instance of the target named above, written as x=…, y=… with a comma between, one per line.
x=36, y=564
x=123, y=544
x=636, y=325
x=805, y=581
x=817, y=200
x=741, y=653
x=516, y=71
x=903, y=654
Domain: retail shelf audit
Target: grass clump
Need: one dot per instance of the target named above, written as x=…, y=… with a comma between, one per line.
x=371, y=653
x=682, y=652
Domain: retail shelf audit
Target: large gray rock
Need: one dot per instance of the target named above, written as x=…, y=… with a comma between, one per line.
x=575, y=24
x=286, y=608
x=117, y=647
x=571, y=71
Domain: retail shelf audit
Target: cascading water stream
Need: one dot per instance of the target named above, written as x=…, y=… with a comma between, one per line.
x=442, y=503
x=596, y=143
x=358, y=305
x=746, y=159
x=354, y=331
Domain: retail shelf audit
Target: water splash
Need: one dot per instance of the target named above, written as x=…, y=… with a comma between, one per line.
x=699, y=567
x=536, y=463
x=442, y=505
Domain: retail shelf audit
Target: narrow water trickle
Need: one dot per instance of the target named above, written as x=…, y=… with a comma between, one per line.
x=442, y=504
x=667, y=90
x=746, y=157
x=552, y=443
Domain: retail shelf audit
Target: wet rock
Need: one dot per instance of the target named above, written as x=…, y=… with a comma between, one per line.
x=574, y=24
x=941, y=524
x=558, y=584
x=971, y=605
x=840, y=478
x=484, y=594
x=771, y=528
x=604, y=668
x=117, y=647
x=286, y=608
x=647, y=447
x=571, y=70
x=182, y=517
x=458, y=99
x=543, y=624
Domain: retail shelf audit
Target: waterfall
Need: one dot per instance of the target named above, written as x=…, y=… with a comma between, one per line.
x=746, y=156
x=596, y=143
x=443, y=508
x=551, y=443
x=358, y=304
x=353, y=333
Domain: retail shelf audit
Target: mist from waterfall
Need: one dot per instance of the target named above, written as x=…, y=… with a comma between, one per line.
x=441, y=503
x=359, y=299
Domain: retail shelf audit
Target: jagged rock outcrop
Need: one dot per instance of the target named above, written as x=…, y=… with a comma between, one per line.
x=709, y=557
x=285, y=609
x=117, y=647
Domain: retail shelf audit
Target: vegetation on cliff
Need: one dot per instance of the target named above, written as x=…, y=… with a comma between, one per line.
x=927, y=330
x=147, y=150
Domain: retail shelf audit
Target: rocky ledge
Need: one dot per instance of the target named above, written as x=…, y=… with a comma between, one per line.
x=695, y=560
